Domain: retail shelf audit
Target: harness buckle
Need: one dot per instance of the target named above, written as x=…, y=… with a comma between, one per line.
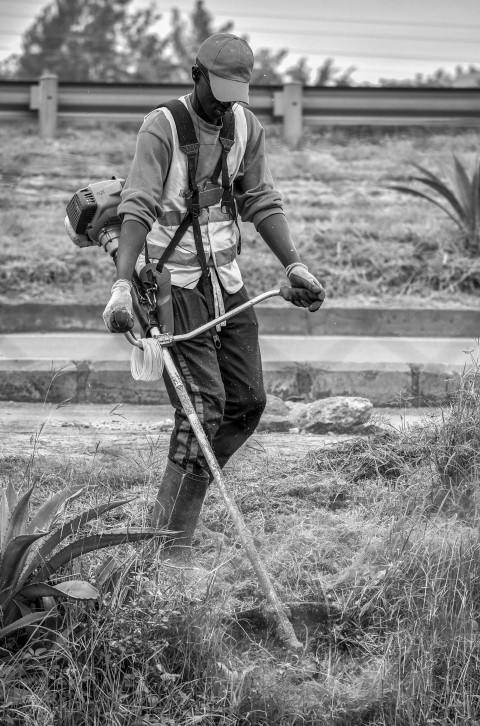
x=190, y=149
x=193, y=202
x=226, y=143
x=228, y=206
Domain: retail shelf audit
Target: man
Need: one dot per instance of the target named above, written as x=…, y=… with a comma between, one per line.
x=165, y=186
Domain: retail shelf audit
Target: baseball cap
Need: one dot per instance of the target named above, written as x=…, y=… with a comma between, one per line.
x=229, y=62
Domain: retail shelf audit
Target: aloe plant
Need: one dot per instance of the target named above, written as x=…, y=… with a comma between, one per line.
x=462, y=197
x=31, y=552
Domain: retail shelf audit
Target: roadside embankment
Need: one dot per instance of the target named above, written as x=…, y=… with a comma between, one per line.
x=279, y=319
x=392, y=357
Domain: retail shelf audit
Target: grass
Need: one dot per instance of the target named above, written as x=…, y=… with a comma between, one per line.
x=370, y=244
x=380, y=532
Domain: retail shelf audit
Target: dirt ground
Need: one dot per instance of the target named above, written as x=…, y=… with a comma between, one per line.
x=86, y=430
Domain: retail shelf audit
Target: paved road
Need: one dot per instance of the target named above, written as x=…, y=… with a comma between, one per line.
x=99, y=430
x=275, y=348
x=388, y=370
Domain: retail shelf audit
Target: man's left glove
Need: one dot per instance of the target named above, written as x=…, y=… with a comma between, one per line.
x=306, y=291
x=118, y=315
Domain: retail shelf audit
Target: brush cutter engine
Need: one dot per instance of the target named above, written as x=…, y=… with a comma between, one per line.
x=92, y=215
x=92, y=219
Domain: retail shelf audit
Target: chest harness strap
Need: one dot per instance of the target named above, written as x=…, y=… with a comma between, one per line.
x=190, y=146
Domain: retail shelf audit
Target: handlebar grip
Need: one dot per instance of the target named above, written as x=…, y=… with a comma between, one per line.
x=301, y=297
x=288, y=292
x=298, y=293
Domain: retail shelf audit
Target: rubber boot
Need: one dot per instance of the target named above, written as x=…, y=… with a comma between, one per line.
x=179, y=502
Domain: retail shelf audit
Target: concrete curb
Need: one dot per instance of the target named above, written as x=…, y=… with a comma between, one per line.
x=110, y=382
x=273, y=320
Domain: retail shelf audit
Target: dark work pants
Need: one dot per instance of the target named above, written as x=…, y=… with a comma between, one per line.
x=224, y=384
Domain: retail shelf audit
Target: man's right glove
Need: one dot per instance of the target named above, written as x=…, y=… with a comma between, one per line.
x=118, y=315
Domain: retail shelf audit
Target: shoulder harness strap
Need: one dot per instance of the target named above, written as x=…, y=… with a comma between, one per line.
x=189, y=144
x=227, y=139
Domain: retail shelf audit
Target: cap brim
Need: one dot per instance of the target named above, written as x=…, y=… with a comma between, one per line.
x=228, y=91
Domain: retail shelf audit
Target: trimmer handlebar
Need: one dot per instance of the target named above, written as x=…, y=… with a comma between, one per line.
x=170, y=339
x=288, y=293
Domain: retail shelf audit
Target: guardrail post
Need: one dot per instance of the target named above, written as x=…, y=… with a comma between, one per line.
x=48, y=104
x=292, y=112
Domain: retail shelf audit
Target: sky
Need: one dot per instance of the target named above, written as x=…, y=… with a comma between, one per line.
x=392, y=39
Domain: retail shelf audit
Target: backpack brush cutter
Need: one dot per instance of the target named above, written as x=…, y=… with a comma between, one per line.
x=92, y=220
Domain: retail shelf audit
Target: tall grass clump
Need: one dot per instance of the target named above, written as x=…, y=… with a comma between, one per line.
x=411, y=602
x=143, y=652
x=140, y=657
x=457, y=435
x=422, y=614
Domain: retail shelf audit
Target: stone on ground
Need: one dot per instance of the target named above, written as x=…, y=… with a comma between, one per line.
x=338, y=414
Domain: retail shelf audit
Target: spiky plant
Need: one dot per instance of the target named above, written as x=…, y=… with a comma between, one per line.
x=31, y=552
x=462, y=196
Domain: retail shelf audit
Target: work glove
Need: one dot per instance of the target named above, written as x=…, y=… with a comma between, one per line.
x=306, y=291
x=118, y=315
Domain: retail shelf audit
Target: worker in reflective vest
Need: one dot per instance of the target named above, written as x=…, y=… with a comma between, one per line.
x=199, y=161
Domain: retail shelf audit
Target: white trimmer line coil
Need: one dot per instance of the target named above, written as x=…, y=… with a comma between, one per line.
x=147, y=364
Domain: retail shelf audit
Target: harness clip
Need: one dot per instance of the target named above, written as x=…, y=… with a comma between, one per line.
x=190, y=149
x=228, y=206
x=226, y=143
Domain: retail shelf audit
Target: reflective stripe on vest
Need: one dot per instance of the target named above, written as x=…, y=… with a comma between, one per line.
x=224, y=252
x=174, y=218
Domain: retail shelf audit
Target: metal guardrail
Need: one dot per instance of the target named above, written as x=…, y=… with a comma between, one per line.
x=121, y=101
x=392, y=106
x=293, y=105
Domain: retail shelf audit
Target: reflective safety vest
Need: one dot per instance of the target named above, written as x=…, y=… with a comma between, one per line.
x=187, y=211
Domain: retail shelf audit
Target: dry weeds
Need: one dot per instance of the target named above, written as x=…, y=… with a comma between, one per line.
x=370, y=244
